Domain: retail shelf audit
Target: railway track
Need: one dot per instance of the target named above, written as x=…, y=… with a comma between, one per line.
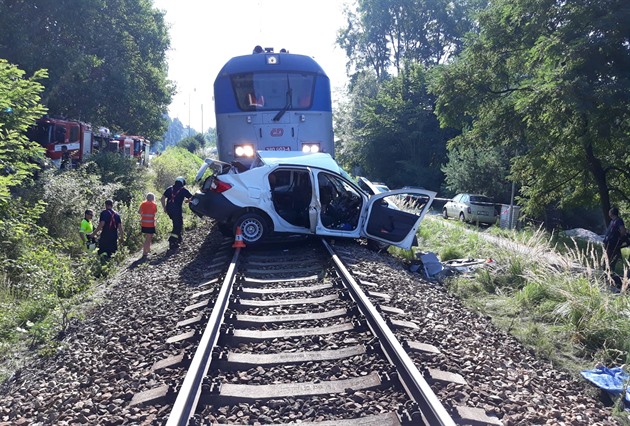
x=291, y=335
x=116, y=366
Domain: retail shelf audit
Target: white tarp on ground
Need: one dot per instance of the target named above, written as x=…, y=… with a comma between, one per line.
x=583, y=234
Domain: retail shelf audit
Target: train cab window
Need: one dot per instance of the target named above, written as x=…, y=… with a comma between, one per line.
x=273, y=91
x=303, y=91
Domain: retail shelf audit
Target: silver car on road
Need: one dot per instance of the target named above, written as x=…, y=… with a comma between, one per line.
x=472, y=208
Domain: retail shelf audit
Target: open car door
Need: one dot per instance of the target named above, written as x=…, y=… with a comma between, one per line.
x=393, y=217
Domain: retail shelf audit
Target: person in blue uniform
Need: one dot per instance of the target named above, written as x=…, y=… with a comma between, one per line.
x=172, y=201
x=614, y=238
x=111, y=230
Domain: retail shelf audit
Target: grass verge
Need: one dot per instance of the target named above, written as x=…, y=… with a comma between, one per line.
x=554, y=295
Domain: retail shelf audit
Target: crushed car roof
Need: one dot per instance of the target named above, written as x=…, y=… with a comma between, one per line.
x=320, y=160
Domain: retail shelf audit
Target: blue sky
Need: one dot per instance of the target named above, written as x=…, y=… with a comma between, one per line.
x=206, y=33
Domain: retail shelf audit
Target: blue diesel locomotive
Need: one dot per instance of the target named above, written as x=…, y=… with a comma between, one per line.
x=272, y=101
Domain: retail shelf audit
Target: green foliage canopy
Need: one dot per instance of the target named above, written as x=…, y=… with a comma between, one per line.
x=385, y=33
x=550, y=81
x=19, y=108
x=192, y=143
x=401, y=136
x=106, y=59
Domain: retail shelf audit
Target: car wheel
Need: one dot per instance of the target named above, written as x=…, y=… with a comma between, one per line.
x=462, y=218
x=253, y=227
x=444, y=214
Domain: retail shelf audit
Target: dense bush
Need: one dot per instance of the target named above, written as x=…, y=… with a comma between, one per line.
x=37, y=271
x=193, y=143
x=172, y=163
x=67, y=195
x=44, y=268
x=114, y=168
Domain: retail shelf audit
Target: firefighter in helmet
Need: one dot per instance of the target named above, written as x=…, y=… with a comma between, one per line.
x=172, y=201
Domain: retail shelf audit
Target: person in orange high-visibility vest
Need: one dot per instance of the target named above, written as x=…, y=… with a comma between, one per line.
x=147, y=211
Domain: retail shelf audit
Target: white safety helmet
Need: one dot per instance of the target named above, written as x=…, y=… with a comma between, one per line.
x=181, y=180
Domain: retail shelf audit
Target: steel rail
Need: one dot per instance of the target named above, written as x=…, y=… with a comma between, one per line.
x=190, y=391
x=417, y=388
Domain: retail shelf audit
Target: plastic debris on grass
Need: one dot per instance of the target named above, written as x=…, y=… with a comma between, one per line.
x=430, y=266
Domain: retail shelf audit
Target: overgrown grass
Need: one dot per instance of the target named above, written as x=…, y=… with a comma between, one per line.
x=554, y=294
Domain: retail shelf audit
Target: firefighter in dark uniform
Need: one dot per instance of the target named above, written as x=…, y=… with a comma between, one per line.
x=172, y=201
x=66, y=161
x=111, y=229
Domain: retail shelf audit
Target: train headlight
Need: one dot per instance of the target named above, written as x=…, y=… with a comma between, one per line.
x=310, y=147
x=243, y=150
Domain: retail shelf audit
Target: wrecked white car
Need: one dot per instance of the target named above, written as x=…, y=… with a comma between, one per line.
x=295, y=193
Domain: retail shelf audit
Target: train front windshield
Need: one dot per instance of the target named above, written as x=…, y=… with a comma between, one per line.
x=273, y=91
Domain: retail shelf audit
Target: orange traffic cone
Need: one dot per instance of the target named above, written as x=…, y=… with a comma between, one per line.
x=238, y=238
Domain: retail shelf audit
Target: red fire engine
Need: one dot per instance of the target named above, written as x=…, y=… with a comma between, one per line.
x=134, y=146
x=53, y=134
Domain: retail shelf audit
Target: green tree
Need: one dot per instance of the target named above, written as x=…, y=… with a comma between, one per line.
x=550, y=81
x=478, y=169
x=401, y=136
x=106, y=59
x=192, y=143
x=174, y=162
x=174, y=133
x=210, y=137
x=19, y=108
x=384, y=33
x=119, y=171
x=348, y=142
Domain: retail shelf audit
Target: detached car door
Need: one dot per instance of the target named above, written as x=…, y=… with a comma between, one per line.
x=390, y=220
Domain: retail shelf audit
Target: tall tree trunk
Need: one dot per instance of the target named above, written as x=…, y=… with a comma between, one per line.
x=599, y=174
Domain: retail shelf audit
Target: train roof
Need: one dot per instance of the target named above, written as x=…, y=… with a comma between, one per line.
x=260, y=62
